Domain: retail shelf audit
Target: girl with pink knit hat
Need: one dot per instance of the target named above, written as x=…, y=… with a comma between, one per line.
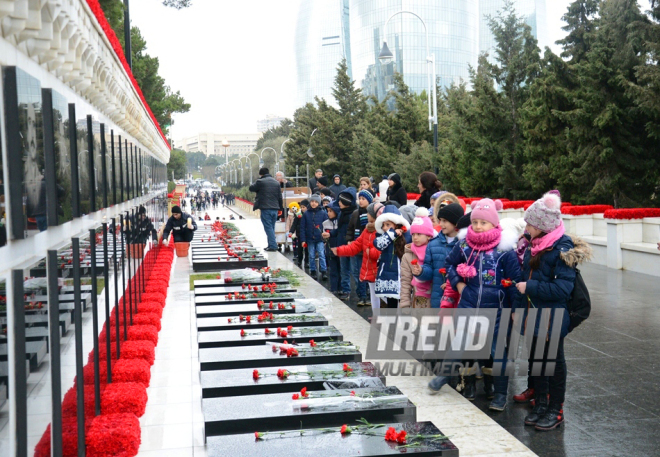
x=475, y=268
x=414, y=292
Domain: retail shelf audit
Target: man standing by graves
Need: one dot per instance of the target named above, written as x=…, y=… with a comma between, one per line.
x=269, y=201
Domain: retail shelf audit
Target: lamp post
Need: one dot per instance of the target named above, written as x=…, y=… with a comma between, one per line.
x=281, y=157
x=236, y=172
x=261, y=158
x=225, y=144
x=309, y=150
x=386, y=54
x=248, y=157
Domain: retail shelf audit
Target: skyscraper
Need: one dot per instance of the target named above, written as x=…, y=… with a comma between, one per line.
x=330, y=30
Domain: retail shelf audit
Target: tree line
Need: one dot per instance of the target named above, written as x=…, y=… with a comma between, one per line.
x=586, y=122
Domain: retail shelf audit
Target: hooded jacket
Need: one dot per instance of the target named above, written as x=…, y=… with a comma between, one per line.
x=344, y=217
x=551, y=284
x=388, y=280
x=337, y=188
x=398, y=194
x=370, y=255
x=485, y=290
x=407, y=289
x=311, y=225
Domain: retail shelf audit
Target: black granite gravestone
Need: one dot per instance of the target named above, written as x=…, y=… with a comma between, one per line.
x=237, y=282
x=256, y=337
x=279, y=320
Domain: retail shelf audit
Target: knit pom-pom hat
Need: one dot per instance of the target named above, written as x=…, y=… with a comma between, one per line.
x=422, y=224
x=486, y=210
x=545, y=213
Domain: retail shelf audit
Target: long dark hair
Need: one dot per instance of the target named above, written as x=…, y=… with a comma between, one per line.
x=430, y=181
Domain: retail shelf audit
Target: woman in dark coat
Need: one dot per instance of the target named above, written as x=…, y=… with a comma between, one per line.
x=396, y=192
x=428, y=185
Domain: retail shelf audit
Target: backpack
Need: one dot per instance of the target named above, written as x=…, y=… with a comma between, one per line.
x=579, y=304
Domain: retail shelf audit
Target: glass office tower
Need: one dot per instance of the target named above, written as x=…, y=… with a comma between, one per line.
x=322, y=41
x=453, y=37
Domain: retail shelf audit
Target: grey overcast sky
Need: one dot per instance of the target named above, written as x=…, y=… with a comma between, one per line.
x=234, y=60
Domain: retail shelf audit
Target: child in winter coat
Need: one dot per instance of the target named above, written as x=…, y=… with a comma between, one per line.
x=364, y=245
x=433, y=267
x=330, y=238
x=476, y=267
x=416, y=293
x=548, y=279
x=346, y=201
x=391, y=226
x=356, y=226
x=294, y=233
x=310, y=235
x=450, y=296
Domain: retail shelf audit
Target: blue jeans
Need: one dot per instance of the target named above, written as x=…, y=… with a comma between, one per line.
x=333, y=270
x=360, y=286
x=268, y=219
x=314, y=247
x=345, y=263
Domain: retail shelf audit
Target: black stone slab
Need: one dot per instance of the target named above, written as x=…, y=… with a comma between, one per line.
x=263, y=356
x=277, y=412
x=279, y=320
x=86, y=299
x=35, y=352
x=332, y=444
x=241, y=308
x=41, y=320
x=256, y=337
x=215, y=265
x=204, y=300
x=227, y=383
x=282, y=289
x=236, y=282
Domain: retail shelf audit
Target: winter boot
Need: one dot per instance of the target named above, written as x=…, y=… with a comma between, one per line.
x=489, y=388
x=313, y=274
x=470, y=390
x=525, y=396
x=436, y=384
x=540, y=408
x=498, y=403
x=552, y=419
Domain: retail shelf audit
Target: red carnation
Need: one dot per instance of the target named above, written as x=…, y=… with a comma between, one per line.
x=248, y=319
x=442, y=271
x=507, y=283
x=401, y=437
x=267, y=331
x=255, y=374
x=391, y=434
x=284, y=334
x=414, y=262
x=344, y=429
x=303, y=392
x=229, y=320
x=312, y=343
x=352, y=393
x=274, y=348
x=347, y=368
x=295, y=396
x=257, y=435
x=290, y=327
x=242, y=332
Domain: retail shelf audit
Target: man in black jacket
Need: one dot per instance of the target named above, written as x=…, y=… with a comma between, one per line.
x=313, y=182
x=269, y=201
x=182, y=224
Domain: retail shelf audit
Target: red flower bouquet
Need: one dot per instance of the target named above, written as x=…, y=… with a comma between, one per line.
x=632, y=213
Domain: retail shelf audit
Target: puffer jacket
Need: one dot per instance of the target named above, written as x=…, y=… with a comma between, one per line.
x=397, y=193
x=436, y=255
x=370, y=255
x=407, y=289
x=388, y=280
x=551, y=284
x=485, y=290
x=311, y=225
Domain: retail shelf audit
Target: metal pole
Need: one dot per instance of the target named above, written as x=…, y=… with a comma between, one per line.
x=95, y=322
x=19, y=360
x=54, y=335
x=77, y=316
x=129, y=280
x=114, y=250
x=123, y=279
x=106, y=277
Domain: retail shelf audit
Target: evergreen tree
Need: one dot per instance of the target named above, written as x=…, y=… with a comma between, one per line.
x=580, y=23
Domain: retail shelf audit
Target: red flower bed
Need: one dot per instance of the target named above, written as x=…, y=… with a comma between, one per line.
x=158, y=288
x=150, y=307
x=88, y=373
x=412, y=196
x=69, y=439
x=632, y=213
x=115, y=435
x=517, y=204
x=244, y=201
x=69, y=404
x=581, y=210
x=154, y=296
x=103, y=353
x=135, y=333
x=145, y=350
x=142, y=318
x=470, y=200
x=132, y=370
x=124, y=397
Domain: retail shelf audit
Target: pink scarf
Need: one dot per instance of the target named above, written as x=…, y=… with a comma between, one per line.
x=484, y=241
x=422, y=288
x=545, y=242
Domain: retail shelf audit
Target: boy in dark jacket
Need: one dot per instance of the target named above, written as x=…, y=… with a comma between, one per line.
x=330, y=238
x=356, y=226
x=346, y=202
x=310, y=234
x=295, y=232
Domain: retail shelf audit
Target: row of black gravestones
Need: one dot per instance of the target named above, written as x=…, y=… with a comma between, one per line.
x=223, y=249
x=277, y=379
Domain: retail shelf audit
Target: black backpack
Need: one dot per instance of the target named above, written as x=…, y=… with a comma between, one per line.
x=579, y=305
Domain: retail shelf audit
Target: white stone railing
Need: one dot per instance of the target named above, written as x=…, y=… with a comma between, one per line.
x=64, y=37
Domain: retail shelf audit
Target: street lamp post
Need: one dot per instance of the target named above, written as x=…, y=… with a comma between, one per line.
x=309, y=150
x=261, y=158
x=236, y=172
x=386, y=54
x=225, y=144
x=281, y=157
x=248, y=157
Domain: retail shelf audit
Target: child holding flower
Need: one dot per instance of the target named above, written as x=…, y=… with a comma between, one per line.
x=391, y=226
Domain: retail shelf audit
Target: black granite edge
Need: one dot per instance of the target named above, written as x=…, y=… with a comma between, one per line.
x=266, y=301
x=276, y=362
x=272, y=338
x=219, y=325
x=222, y=283
x=332, y=444
x=202, y=292
x=239, y=265
x=204, y=312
